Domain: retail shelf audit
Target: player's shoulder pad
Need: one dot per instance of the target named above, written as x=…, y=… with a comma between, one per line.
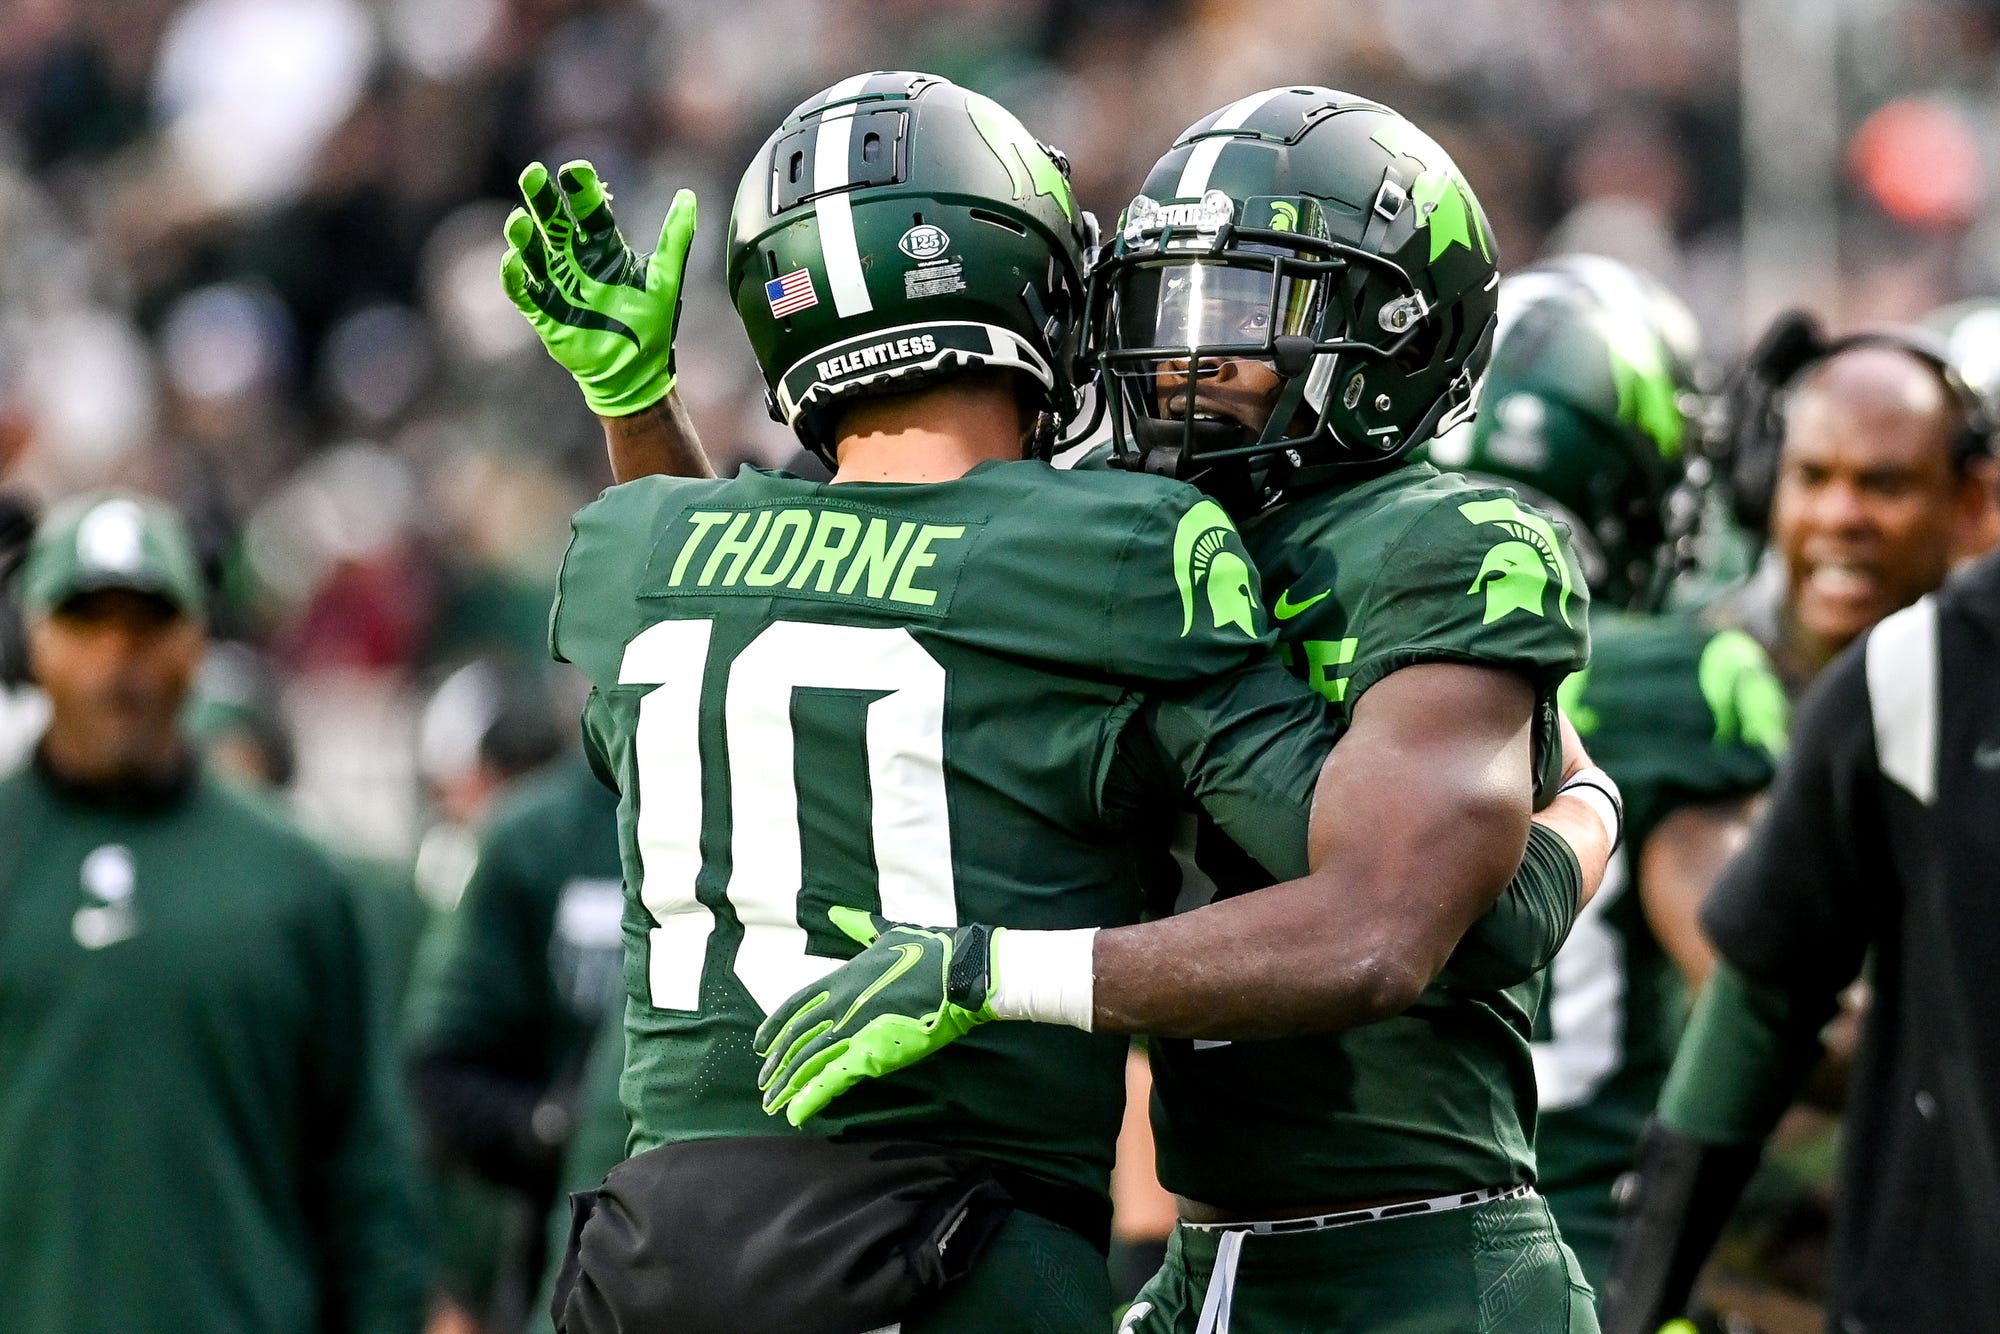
x=1520, y=556
x=1743, y=692
x=1471, y=568
x=611, y=540
x=1187, y=601
x=1139, y=578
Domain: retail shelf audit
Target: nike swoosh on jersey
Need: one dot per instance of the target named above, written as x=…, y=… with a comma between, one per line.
x=1286, y=608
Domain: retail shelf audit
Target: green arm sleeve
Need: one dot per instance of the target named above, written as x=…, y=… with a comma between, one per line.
x=1746, y=1052
x=1749, y=1046
x=1248, y=746
x=1523, y=930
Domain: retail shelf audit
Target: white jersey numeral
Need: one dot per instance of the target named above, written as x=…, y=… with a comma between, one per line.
x=904, y=745
x=1587, y=984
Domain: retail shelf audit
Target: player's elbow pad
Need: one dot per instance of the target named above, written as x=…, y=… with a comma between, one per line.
x=1518, y=936
x=1675, y=1204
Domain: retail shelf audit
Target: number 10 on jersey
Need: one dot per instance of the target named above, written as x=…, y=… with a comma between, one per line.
x=904, y=743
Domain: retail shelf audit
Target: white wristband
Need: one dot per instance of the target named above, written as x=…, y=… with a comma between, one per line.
x=1595, y=789
x=1047, y=977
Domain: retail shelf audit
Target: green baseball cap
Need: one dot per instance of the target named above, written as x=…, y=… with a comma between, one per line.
x=110, y=540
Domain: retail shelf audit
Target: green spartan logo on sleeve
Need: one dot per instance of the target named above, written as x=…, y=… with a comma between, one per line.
x=1516, y=573
x=1204, y=562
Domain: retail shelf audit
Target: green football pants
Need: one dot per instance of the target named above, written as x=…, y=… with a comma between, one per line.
x=1036, y=1277
x=1588, y=1217
x=1494, y=1268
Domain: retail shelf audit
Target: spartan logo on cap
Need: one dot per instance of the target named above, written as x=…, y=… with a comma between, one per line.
x=112, y=536
x=1516, y=573
x=1203, y=560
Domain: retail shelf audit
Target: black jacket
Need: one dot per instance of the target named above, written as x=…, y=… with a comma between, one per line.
x=1883, y=836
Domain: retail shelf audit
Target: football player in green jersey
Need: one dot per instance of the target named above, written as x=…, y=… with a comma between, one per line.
x=1588, y=412
x=1302, y=293
x=952, y=685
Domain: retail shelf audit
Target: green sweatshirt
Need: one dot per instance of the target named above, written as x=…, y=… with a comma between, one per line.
x=195, y=1131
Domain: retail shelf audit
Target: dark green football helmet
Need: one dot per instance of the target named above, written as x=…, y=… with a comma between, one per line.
x=1619, y=286
x=1582, y=414
x=897, y=228
x=1321, y=235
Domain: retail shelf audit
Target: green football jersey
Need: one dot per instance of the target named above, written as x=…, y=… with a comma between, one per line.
x=1409, y=566
x=1679, y=715
x=923, y=700
x=530, y=958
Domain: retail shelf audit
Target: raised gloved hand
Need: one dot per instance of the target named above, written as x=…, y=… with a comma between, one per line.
x=911, y=992
x=606, y=313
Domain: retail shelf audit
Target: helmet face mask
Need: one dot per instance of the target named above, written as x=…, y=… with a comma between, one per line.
x=898, y=230
x=1176, y=316
x=1351, y=280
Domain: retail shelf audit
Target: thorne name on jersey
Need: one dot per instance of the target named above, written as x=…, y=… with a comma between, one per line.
x=837, y=552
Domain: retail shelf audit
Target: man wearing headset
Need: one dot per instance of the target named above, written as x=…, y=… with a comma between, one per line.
x=1866, y=456
x=1877, y=840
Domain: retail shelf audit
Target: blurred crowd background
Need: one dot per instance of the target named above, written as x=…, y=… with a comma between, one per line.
x=248, y=254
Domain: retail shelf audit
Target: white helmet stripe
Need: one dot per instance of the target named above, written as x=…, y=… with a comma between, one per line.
x=1194, y=176
x=836, y=212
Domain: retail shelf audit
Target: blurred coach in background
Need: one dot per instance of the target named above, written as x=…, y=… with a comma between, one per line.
x=1880, y=841
x=1867, y=460
x=194, y=1131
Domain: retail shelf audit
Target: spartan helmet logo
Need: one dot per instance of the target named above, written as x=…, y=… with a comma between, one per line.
x=1516, y=573
x=1204, y=561
x=1514, y=579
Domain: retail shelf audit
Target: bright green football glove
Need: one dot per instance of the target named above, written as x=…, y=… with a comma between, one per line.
x=606, y=314
x=913, y=991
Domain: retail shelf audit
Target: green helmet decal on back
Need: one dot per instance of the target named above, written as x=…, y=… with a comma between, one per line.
x=1645, y=386
x=1321, y=235
x=896, y=229
x=1583, y=413
x=1029, y=165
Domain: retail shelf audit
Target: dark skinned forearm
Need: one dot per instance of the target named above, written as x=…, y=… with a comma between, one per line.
x=1682, y=860
x=1420, y=819
x=657, y=441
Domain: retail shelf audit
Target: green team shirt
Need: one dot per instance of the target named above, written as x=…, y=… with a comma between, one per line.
x=195, y=1127
x=518, y=981
x=1679, y=715
x=922, y=700
x=534, y=952
x=1411, y=566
